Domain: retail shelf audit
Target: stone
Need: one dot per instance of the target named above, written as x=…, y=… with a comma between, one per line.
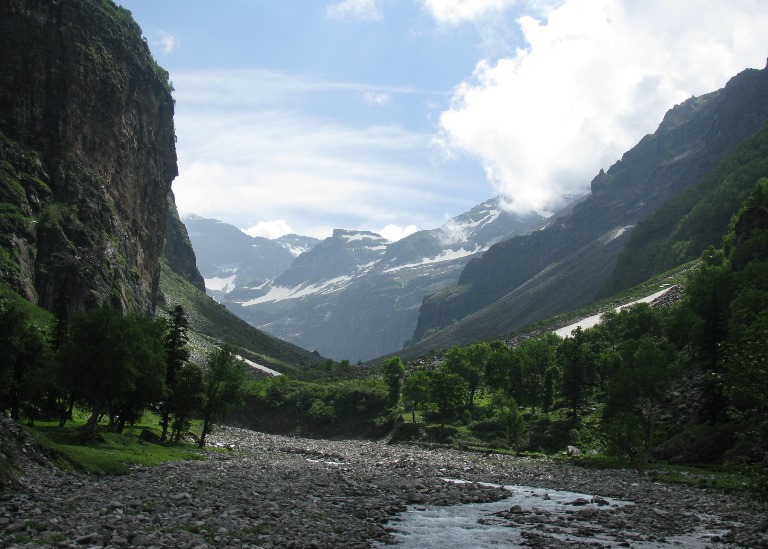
x=573, y=451
x=91, y=538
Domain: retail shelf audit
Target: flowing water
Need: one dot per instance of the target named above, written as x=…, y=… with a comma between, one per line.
x=528, y=514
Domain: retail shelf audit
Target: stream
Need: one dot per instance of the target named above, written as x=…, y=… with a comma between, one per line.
x=535, y=517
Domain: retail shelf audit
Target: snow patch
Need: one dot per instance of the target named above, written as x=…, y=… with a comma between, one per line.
x=447, y=255
x=621, y=231
x=281, y=293
x=218, y=284
x=594, y=320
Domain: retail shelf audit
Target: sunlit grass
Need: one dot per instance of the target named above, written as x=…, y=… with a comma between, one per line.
x=109, y=453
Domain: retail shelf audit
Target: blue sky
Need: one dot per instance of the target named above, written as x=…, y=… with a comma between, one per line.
x=392, y=115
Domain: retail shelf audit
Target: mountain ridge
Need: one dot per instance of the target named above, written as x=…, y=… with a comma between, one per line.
x=692, y=138
x=355, y=295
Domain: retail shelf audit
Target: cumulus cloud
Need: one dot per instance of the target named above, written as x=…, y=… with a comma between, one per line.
x=354, y=9
x=594, y=77
x=393, y=233
x=269, y=229
x=453, y=12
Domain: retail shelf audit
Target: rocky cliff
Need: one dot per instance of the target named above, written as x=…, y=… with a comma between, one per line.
x=691, y=140
x=87, y=155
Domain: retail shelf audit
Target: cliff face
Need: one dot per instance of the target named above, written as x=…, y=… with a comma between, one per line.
x=87, y=155
x=178, y=248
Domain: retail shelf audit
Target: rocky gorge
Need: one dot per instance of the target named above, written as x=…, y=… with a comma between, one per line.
x=256, y=490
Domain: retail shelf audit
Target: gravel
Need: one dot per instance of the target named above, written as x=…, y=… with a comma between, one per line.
x=259, y=490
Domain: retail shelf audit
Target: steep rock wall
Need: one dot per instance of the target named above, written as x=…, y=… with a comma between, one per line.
x=87, y=155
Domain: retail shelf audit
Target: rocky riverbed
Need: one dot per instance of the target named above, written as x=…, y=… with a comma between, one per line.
x=259, y=490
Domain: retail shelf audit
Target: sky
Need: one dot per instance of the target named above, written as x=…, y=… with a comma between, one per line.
x=302, y=116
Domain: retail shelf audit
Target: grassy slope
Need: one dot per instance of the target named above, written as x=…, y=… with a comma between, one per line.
x=211, y=322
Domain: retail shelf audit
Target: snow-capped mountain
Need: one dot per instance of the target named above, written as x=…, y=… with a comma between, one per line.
x=228, y=258
x=356, y=295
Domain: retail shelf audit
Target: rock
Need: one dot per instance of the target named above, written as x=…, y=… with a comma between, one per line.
x=149, y=436
x=88, y=538
x=578, y=502
x=598, y=500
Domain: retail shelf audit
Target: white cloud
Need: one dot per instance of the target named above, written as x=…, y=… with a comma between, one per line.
x=393, y=233
x=595, y=77
x=269, y=229
x=248, y=153
x=354, y=9
x=167, y=42
x=453, y=12
x=377, y=98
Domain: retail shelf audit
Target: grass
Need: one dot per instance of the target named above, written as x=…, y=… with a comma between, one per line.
x=111, y=453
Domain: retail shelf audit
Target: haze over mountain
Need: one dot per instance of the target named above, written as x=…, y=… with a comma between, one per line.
x=356, y=294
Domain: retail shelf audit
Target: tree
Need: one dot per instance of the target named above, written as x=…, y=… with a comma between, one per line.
x=176, y=355
x=634, y=396
x=576, y=362
x=112, y=364
x=223, y=387
x=503, y=370
x=393, y=370
x=506, y=407
x=469, y=363
x=446, y=391
x=25, y=362
x=146, y=364
x=187, y=398
x=537, y=357
x=416, y=390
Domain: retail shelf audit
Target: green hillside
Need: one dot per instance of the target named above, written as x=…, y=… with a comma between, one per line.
x=211, y=322
x=693, y=220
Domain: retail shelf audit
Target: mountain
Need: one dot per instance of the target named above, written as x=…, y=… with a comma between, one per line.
x=355, y=295
x=228, y=258
x=697, y=218
x=526, y=278
x=87, y=156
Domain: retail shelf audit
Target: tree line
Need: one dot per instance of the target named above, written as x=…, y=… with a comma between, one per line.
x=115, y=367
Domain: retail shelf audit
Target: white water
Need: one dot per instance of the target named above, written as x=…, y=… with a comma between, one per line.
x=479, y=525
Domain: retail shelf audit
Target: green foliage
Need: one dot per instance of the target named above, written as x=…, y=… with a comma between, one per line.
x=176, y=341
x=223, y=387
x=351, y=407
x=113, y=364
x=416, y=391
x=693, y=220
x=446, y=391
x=393, y=370
x=26, y=362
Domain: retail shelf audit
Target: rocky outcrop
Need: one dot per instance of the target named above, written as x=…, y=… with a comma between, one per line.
x=87, y=155
x=178, y=248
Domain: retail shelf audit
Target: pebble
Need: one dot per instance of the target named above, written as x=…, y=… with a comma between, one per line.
x=275, y=491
